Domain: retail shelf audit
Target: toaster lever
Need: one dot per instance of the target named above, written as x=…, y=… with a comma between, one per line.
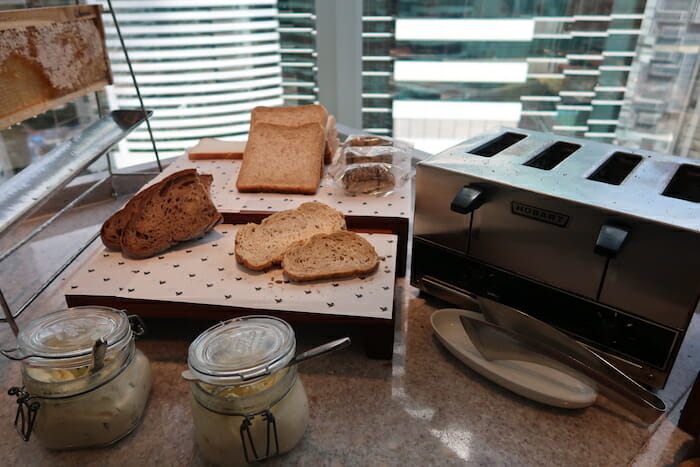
x=610, y=240
x=468, y=199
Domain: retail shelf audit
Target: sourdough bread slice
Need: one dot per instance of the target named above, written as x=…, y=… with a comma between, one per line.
x=282, y=159
x=176, y=209
x=112, y=228
x=111, y=231
x=261, y=246
x=327, y=256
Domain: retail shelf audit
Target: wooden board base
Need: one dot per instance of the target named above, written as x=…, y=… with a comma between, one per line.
x=377, y=334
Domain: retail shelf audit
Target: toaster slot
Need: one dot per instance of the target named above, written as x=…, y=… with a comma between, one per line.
x=553, y=155
x=498, y=144
x=616, y=168
x=685, y=183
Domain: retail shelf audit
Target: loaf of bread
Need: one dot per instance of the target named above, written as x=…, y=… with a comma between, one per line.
x=282, y=159
x=327, y=256
x=212, y=148
x=261, y=246
x=175, y=209
x=368, y=178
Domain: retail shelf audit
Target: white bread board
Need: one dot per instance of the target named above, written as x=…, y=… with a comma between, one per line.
x=205, y=271
x=228, y=199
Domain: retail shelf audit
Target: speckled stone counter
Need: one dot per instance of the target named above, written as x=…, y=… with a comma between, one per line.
x=422, y=407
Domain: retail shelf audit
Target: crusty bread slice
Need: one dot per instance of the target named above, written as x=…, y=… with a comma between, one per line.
x=327, y=256
x=282, y=159
x=112, y=228
x=261, y=246
x=212, y=148
x=175, y=209
x=111, y=231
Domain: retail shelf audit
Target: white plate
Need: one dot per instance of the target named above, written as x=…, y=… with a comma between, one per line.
x=534, y=381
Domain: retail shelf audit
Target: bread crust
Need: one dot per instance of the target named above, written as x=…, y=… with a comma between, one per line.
x=332, y=141
x=215, y=156
x=112, y=228
x=140, y=220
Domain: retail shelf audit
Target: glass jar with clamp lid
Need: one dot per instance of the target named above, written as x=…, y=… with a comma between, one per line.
x=85, y=383
x=248, y=403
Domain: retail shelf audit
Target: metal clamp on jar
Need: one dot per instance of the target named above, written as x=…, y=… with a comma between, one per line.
x=85, y=383
x=248, y=403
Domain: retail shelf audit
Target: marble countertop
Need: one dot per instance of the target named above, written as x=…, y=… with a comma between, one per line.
x=422, y=407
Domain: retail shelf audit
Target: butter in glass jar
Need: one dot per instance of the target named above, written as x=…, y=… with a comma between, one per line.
x=248, y=402
x=76, y=393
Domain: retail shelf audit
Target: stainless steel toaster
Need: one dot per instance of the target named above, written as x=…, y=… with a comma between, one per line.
x=602, y=242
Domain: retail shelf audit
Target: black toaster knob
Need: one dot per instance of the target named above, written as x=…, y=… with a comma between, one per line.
x=468, y=199
x=610, y=240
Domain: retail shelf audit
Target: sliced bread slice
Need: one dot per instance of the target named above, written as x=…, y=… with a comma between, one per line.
x=212, y=148
x=327, y=256
x=301, y=115
x=176, y=209
x=261, y=246
x=282, y=159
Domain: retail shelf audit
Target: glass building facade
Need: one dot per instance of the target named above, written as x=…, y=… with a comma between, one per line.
x=297, y=31
x=438, y=72
x=378, y=46
x=558, y=66
x=298, y=35
x=660, y=112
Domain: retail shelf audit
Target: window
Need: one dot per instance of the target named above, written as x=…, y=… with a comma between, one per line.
x=572, y=67
x=584, y=67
